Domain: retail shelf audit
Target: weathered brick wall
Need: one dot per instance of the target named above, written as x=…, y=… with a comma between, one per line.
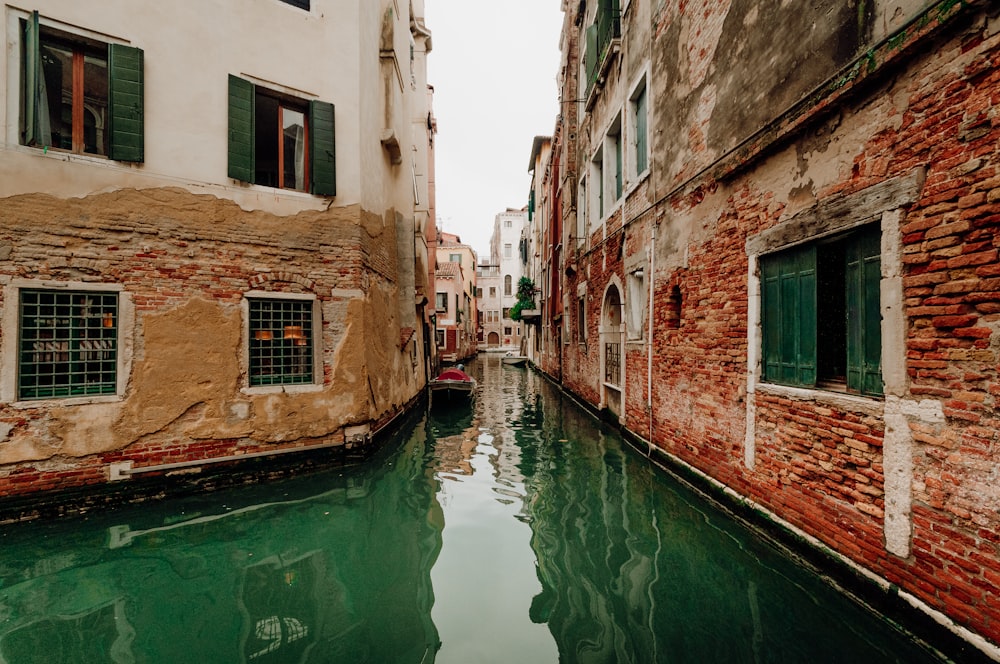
x=819, y=462
x=187, y=261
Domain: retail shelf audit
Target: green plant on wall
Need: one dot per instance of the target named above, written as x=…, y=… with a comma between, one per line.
x=525, y=298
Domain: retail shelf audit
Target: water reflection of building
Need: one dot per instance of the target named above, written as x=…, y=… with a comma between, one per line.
x=344, y=570
x=635, y=569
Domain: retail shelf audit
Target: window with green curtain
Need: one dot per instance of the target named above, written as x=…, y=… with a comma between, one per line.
x=81, y=96
x=821, y=314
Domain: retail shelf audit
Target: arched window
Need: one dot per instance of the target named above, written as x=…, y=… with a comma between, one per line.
x=507, y=285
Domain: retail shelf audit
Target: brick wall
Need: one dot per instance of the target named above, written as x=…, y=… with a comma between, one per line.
x=186, y=262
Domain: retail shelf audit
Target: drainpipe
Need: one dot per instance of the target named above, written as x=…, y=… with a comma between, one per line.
x=649, y=335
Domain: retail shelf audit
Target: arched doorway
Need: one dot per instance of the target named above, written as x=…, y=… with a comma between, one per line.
x=612, y=360
x=493, y=339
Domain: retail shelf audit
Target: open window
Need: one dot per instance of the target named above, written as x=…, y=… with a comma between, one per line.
x=79, y=94
x=821, y=314
x=278, y=140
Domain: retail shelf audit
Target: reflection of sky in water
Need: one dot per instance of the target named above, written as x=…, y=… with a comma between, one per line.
x=516, y=531
x=484, y=578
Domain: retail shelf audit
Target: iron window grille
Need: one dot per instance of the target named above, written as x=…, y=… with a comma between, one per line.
x=612, y=363
x=281, y=342
x=68, y=344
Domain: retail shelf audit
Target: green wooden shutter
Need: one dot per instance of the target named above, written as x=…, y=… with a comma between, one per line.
x=864, y=313
x=322, y=149
x=241, y=129
x=789, y=316
x=32, y=93
x=641, y=151
x=619, y=181
x=125, y=99
x=590, y=55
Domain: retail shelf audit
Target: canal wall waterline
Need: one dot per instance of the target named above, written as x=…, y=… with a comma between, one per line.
x=856, y=581
x=208, y=475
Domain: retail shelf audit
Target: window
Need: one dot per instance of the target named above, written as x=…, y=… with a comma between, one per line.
x=68, y=344
x=301, y=4
x=506, y=312
x=507, y=223
x=441, y=302
x=596, y=206
x=614, y=166
x=455, y=258
x=493, y=291
x=479, y=292
x=507, y=285
x=636, y=303
x=81, y=95
x=507, y=330
x=821, y=314
x=581, y=214
x=599, y=35
x=439, y=338
x=508, y=250
x=281, y=341
x=581, y=319
x=639, y=144
x=277, y=140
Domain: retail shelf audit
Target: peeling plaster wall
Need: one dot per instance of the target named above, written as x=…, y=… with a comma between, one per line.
x=185, y=262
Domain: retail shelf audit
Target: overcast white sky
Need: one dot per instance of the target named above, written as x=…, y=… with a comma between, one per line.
x=493, y=67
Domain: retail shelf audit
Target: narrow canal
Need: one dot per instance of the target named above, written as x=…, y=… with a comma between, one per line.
x=517, y=531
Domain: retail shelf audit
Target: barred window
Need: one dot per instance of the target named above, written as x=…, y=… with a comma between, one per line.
x=68, y=344
x=281, y=342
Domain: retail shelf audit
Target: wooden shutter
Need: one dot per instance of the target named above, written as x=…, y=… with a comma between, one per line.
x=241, y=129
x=590, y=55
x=641, y=153
x=322, y=149
x=789, y=316
x=864, y=313
x=125, y=101
x=32, y=91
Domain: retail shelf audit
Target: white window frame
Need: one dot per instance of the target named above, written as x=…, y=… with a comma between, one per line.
x=613, y=147
x=597, y=203
x=10, y=326
x=634, y=176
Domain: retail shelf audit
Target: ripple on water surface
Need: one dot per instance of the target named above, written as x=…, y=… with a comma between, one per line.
x=516, y=530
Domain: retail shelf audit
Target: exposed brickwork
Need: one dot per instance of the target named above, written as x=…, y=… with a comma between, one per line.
x=187, y=262
x=819, y=463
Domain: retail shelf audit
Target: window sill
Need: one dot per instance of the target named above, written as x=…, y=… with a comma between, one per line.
x=76, y=157
x=282, y=389
x=840, y=400
x=636, y=183
x=66, y=401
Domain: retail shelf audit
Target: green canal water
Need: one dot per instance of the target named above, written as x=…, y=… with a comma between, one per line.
x=517, y=531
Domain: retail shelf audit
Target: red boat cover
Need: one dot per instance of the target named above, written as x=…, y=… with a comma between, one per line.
x=454, y=374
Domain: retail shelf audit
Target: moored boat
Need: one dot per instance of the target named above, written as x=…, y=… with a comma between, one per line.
x=514, y=360
x=452, y=385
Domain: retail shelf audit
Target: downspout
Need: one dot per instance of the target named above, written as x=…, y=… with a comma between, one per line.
x=649, y=336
